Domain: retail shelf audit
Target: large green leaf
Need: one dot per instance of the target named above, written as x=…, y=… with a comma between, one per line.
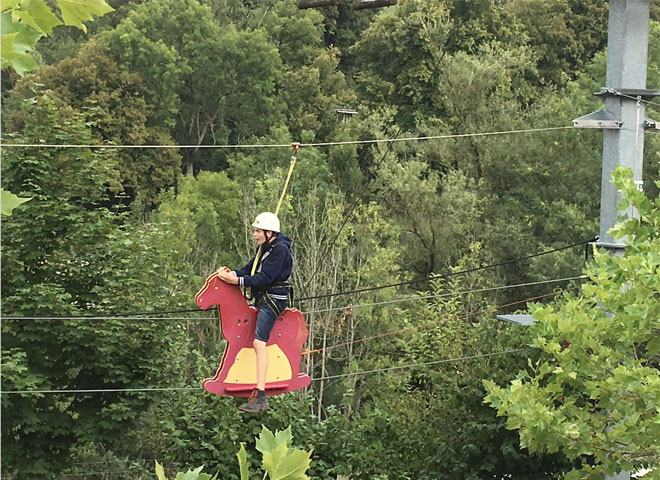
x=9, y=200
x=267, y=442
x=160, y=471
x=26, y=39
x=10, y=5
x=194, y=475
x=8, y=48
x=280, y=461
x=272, y=458
x=38, y=15
x=242, y=462
x=17, y=40
x=189, y=475
x=74, y=12
x=292, y=465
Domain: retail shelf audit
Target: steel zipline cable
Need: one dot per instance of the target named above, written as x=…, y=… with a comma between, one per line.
x=423, y=364
x=324, y=310
x=448, y=275
x=310, y=312
x=332, y=309
x=335, y=294
x=288, y=145
x=200, y=390
x=435, y=322
x=614, y=91
x=444, y=295
x=361, y=340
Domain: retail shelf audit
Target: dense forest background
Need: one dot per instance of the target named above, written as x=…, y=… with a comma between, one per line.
x=137, y=230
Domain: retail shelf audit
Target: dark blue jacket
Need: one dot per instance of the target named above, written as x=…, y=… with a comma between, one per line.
x=274, y=266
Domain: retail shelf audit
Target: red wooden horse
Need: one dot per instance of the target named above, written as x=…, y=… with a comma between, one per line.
x=237, y=375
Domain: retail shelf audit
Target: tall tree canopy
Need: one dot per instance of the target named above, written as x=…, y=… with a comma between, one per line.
x=404, y=249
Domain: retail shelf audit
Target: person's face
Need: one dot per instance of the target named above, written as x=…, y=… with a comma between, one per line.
x=259, y=236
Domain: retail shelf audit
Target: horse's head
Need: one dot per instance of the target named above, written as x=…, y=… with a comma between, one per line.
x=217, y=292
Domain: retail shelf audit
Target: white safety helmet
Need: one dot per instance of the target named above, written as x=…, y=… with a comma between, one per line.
x=267, y=221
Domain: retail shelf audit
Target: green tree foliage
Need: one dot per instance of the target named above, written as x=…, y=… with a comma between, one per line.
x=263, y=72
x=189, y=475
x=400, y=55
x=564, y=34
x=116, y=107
x=439, y=217
x=215, y=84
x=311, y=84
x=297, y=35
x=204, y=213
x=427, y=422
x=594, y=391
x=68, y=255
x=313, y=93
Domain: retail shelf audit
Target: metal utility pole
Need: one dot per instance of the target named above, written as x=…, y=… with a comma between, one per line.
x=623, y=119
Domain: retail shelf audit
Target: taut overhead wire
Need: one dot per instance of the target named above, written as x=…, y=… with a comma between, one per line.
x=200, y=390
x=430, y=324
x=447, y=275
x=441, y=295
x=310, y=312
x=424, y=364
x=287, y=145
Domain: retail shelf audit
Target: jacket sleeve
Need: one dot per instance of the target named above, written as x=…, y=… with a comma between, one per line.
x=246, y=270
x=270, y=271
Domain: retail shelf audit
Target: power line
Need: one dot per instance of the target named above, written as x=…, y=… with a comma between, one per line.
x=446, y=275
x=310, y=312
x=104, y=390
x=336, y=294
x=199, y=390
x=135, y=460
x=435, y=137
x=614, y=91
x=424, y=364
x=429, y=324
x=286, y=145
x=133, y=315
x=102, y=317
x=441, y=295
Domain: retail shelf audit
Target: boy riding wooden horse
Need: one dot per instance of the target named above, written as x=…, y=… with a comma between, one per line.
x=266, y=274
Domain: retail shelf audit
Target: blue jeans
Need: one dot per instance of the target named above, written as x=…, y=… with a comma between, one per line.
x=266, y=319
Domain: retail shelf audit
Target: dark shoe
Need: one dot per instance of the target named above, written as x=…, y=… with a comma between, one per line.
x=256, y=403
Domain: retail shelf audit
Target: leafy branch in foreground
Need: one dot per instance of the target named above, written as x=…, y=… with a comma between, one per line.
x=9, y=201
x=24, y=22
x=280, y=460
x=595, y=394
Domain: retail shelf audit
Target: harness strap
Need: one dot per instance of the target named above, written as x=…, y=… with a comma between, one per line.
x=289, y=288
x=267, y=296
x=271, y=303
